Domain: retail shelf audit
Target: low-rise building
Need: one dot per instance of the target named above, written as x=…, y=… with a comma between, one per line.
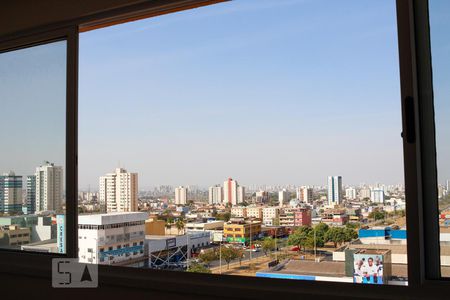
x=114, y=238
x=240, y=231
x=14, y=236
x=270, y=215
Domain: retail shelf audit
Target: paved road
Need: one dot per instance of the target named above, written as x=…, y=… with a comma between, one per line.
x=216, y=263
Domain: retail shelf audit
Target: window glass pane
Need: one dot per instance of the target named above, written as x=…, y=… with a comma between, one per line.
x=440, y=50
x=254, y=138
x=32, y=160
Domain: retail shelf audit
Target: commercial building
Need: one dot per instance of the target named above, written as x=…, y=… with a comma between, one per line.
x=113, y=238
x=172, y=252
x=10, y=193
x=240, y=230
x=181, y=195
x=118, y=191
x=215, y=194
x=334, y=190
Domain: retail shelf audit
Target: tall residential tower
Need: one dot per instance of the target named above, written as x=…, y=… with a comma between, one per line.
x=118, y=191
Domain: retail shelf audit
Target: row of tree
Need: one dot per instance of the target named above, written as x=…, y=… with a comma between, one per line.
x=306, y=237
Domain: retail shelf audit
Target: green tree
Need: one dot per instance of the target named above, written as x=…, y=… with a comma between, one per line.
x=376, y=215
x=180, y=225
x=267, y=245
x=299, y=237
x=195, y=267
x=350, y=234
x=335, y=235
x=208, y=256
x=228, y=254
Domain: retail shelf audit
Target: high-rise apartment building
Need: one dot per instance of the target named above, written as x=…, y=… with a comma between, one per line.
x=118, y=191
x=377, y=195
x=283, y=197
x=10, y=193
x=49, y=187
x=31, y=194
x=231, y=193
x=181, y=193
x=334, y=190
x=305, y=194
x=240, y=194
x=215, y=194
x=350, y=193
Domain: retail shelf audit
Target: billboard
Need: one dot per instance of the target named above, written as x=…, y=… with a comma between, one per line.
x=61, y=233
x=368, y=268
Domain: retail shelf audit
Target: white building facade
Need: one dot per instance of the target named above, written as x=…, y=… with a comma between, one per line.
x=118, y=191
x=114, y=238
x=49, y=187
x=181, y=194
x=334, y=190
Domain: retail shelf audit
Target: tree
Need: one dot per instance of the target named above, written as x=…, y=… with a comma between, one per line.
x=195, y=267
x=335, y=235
x=240, y=255
x=228, y=254
x=208, y=256
x=350, y=234
x=299, y=237
x=180, y=225
x=267, y=245
x=376, y=215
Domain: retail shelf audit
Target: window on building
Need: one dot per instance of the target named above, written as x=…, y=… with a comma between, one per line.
x=440, y=50
x=32, y=160
x=237, y=98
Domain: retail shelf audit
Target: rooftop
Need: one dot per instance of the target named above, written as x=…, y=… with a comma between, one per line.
x=112, y=218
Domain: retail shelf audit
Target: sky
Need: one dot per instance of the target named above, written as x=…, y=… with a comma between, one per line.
x=439, y=11
x=266, y=92
x=32, y=108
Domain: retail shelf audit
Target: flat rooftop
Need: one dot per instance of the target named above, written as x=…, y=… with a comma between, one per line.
x=112, y=218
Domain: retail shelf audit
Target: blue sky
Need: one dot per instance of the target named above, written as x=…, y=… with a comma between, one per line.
x=440, y=51
x=267, y=92
x=32, y=113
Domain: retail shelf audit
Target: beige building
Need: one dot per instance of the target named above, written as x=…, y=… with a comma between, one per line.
x=239, y=212
x=118, y=191
x=49, y=187
x=14, y=236
x=181, y=193
x=153, y=226
x=254, y=212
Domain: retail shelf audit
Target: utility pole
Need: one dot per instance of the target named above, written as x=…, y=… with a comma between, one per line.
x=220, y=257
x=251, y=250
x=315, y=246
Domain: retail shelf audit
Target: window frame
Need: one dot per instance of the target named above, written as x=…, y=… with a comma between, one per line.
x=419, y=167
x=70, y=35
